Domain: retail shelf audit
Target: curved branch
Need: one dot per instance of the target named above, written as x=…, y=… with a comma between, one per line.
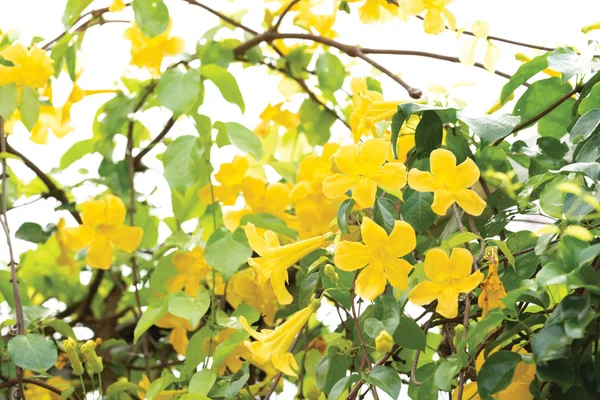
x=287, y=9
x=222, y=16
x=155, y=141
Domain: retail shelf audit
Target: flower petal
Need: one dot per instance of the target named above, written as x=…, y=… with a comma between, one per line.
x=470, y=283
x=467, y=173
x=397, y=272
x=99, y=253
x=424, y=293
x=176, y=283
x=257, y=243
x=115, y=210
x=442, y=162
x=435, y=264
x=255, y=334
x=371, y=282
x=348, y=160
x=79, y=237
x=126, y=238
x=470, y=201
x=403, y=239
x=364, y=192
x=460, y=263
x=448, y=303
x=337, y=185
x=442, y=200
x=373, y=154
x=278, y=281
x=372, y=234
x=350, y=256
x=179, y=340
x=392, y=175
x=285, y=362
x=422, y=181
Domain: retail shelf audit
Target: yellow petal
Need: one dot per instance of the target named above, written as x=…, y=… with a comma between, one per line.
x=470, y=283
x=392, y=175
x=373, y=154
x=435, y=262
x=257, y=243
x=179, y=340
x=469, y=201
x=397, y=272
x=448, y=303
x=79, y=237
x=126, y=238
x=256, y=335
x=403, y=239
x=433, y=22
x=424, y=293
x=364, y=192
x=492, y=54
x=460, y=262
x=467, y=173
x=336, y=185
x=99, y=254
x=278, y=281
x=442, y=162
x=468, y=50
x=350, y=256
x=371, y=282
x=348, y=160
x=422, y=181
x=176, y=283
x=481, y=29
x=285, y=362
x=372, y=234
x=442, y=200
x=471, y=391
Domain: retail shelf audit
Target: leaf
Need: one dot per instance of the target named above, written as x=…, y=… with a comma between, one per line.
x=29, y=107
x=270, y=222
x=153, y=313
x=152, y=16
x=530, y=186
x=490, y=128
x=307, y=289
x=341, y=386
x=525, y=71
x=33, y=352
x=190, y=308
x=9, y=98
x=591, y=101
x=445, y=372
x=244, y=139
x=585, y=125
x=344, y=213
x=553, y=147
x=506, y=251
x=331, y=369
x=385, y=213
x=226, y=251
x=159, y=385
x=566, y=61
x=409, y=335
x=480, y=330
x=330, y=71
x=538, y=98
x=62, y=327
x=386, y=379
x=497, y=372
x=179, y=91
x=184, y=164
x=73, y=10
x=232, y=385
x=589, y=169
x=32, y=232
x=315, y=122
x=225, y=82
x=460, y=238
x=428, y=134
x=590, y=150
x=551, y=343
x=416, y=209
x=198, y=342
x=202, y=381
x=76, y=152
x=397, y=122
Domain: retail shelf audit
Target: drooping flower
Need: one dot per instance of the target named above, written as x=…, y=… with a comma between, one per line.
x=31, y=67
x=61, y=237
x=70, y=348
x=518, y=387
x=275, y=259
x=179, y=328
x=435, y=13
x=149, y=52
x=272, y=347
x=244, y=287
x=321, y=24
x=362, y=171
x=145, y=383
x=449, y=183
x=103, y=228
x=448, y=278
x=492, y=288
x=93, y=363
x=379, y=255
x=192, y=268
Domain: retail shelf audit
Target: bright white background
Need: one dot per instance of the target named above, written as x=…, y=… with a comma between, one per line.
x=105, y=58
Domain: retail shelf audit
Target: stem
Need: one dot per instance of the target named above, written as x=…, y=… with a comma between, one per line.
x=155, y=141
x=283, y=14
x=366, y=361
x=12, y=263
x=224, y=17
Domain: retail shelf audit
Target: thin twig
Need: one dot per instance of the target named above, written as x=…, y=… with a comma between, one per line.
x=413, y=371
x=155, y=141
x=222, y=16
x=366, y=361
x=287, y=9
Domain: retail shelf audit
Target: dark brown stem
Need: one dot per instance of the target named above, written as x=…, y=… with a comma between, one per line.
x=155, y=141
x=287, y=9
x=14, y=381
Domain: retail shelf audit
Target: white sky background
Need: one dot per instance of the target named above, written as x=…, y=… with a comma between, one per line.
x=105, y=58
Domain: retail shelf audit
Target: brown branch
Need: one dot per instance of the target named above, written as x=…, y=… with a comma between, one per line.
x=287, y=9
x=224, y=17
x=155, y=141
x=13, y=381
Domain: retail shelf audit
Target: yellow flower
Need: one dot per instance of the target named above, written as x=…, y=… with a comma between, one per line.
x=379, y=255
x=145, y=383
x=384, y=342
x=102, y=227
x=117, y=5
x=368, y=108
x=448, y=278
x=31, y=67
x=233, y=361
x=273, y=346
x=61, y=237
x=149, y=52
x=468, y=50
x=373, y=11
x=492, y=288
x=39, y=393
x=518, y=389
x=274, y=116
x=275, y=259
x=192, y=268
x=93, y=363
x=70, y=347
x=244, y=287
x=449, y=183
x=319, y=24
x=436, y=12
x=180, y=327
x=230, y=176
x=362, y=171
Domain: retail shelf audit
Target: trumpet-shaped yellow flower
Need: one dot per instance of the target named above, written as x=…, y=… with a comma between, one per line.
x=518, y=389
x=145, y=383
x=61, y=237
x=384, y=342
x=192, y=268
x=273, y=116
x=230, y=176
x=179, y=328
x=275, y=259
x=362, y=171
x=448, y=278
x=117, y=5
x=449, y=183
x=70, y=348
x=244, y=287
x=149, y=52
x=373, y=11
x=436, y=13
x=492, y=288
x=103, y=227
x=31, y=67
x=272, y=347
x=379, y=255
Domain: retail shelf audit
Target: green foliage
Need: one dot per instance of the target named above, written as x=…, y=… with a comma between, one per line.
x=33, y=352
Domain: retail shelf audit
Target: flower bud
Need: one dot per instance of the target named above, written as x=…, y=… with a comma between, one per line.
x=313, y=393
x=70, y=347
x=331, y=273
x=93, y=363
x=384, y=342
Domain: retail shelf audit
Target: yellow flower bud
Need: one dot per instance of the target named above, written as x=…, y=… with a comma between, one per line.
x=592, y=27
x=70, y=347
x=331, y=273
x=313, y=393
x=93, y=363
x=384, y=342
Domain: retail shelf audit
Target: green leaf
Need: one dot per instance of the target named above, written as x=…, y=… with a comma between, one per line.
x=315, y=122
x=481, y=329
x=179, y=91
x=198, y=341
x=506, y=251
x=386, y=379
x=589, y=169
x=566, y=61
x=428, y=134
x=553, y=147
x=76, y=152
x=73, y=10
x=409, y=335
x=33, y=352
x=330, y=71
x=397, y=122
x=530, y=187
x=445, y=372
x=344, y=213
x=184, y=164
x=71, y=59
x=416, y=209
x=591, y=101
x=341, y=386
x=585, y=125
x=551, y=343
x=152, y=16
x=538, y=98
x=226, y=251
x=202, y=381
x=32, y=232
x=29, y=107
x=190, y=308
x=307, y=289
x=490, y=128
x=159, y=385
x=385, y=213
x=62, y=327
x=154, y=312
x=225, y=82
x=590, y=150
x=331, y=369
x=230, y=386
x=525, y=71
x=9, y=98
x=244, y=139
x=497, y=372
x=270, y=222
